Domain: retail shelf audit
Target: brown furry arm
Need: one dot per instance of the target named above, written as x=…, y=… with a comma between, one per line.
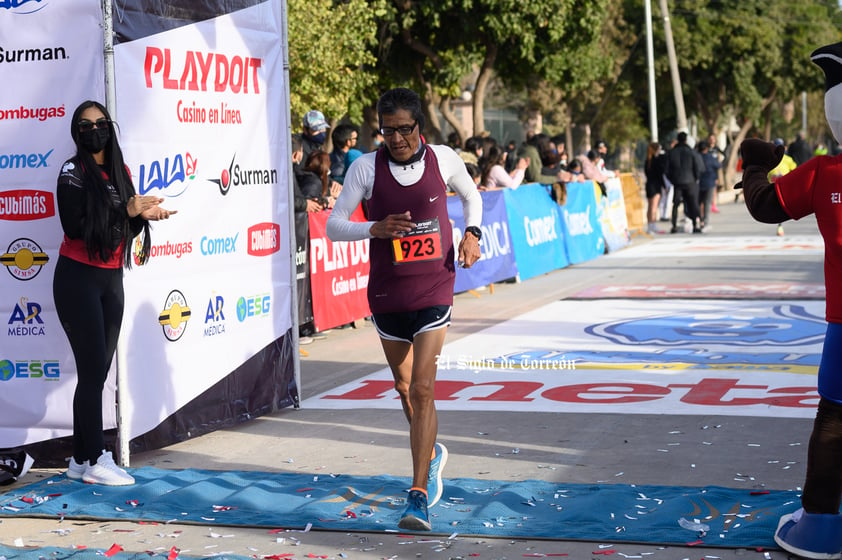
x=761, y=196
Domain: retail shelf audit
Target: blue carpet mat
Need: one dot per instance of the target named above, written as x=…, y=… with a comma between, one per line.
x=663, y=515
x=60, y=553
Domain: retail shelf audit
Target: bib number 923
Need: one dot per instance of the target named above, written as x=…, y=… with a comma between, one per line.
x=421, y=244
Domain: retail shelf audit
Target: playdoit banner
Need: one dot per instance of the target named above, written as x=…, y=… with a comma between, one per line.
x=48, y=66
x=208, y=117
x=202, y=114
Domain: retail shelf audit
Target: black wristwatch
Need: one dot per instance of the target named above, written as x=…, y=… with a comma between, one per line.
x=475, y=231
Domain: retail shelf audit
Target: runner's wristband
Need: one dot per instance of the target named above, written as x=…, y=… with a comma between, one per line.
x=475, y=231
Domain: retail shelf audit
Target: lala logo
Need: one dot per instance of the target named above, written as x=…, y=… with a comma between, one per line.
x=162, y=176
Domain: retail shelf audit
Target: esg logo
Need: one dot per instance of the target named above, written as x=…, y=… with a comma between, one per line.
x=28, y=369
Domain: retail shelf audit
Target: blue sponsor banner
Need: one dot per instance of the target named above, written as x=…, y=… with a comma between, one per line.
x=497, y=262
x=535, y=227
x=582, y=230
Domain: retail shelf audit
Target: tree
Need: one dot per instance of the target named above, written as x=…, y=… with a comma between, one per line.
x=332, y=49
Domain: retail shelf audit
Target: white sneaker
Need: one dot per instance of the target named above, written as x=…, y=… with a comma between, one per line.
x=106, y=472
x=76, y=470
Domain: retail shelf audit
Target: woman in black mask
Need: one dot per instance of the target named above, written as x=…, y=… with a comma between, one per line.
x=100, y=214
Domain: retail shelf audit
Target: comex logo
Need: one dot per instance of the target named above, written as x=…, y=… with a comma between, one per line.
x=24, y=259
x=20, y=6
x=173, y=319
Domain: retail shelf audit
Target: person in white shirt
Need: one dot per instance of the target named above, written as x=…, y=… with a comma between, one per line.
x=494, y=174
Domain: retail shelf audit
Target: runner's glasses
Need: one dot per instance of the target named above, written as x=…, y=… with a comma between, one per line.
x=404, y=130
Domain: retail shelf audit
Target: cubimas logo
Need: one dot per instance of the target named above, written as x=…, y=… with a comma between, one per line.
x=24, y=259
x=175, y=315
x=22, y=6
x=29, y=369
x=171, y=176
x=23, y=205
x=236, y=176
x=264, y=239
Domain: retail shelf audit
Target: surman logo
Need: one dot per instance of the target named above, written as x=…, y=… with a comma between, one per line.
x=24, y=259
x=173, y=319
x=236, y=176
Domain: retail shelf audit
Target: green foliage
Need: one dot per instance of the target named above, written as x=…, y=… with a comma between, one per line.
x=574, y=60
x=331, y=55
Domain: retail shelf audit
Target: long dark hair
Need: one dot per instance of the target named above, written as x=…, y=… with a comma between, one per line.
x=319, y=163
x=490, y=157
x=101, y=218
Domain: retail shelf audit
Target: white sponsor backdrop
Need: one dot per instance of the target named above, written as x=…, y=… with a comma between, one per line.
x=48, y=64
x=203, y=121
x=721, y=357
x=204, y=107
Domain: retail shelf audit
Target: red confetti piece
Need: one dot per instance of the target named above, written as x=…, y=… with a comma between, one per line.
x=311, y=555
x=276, y=531
x=53, y=495
x=27, y=500
x=758, y=492
x=604, y=552
x=80, y=546
x=133, y=503
x=224, y=508
x=695, y=543
x=115, y=548
x=304, y=489
x=173, y=554
x=350, y=514
x=279, y=556
x=147, y=522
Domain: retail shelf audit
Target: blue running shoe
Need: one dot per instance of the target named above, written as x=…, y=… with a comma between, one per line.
x=415, y=516
x=435, y=487
x=811, y=535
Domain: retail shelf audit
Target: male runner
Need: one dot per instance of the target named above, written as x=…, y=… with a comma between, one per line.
x=410, y=291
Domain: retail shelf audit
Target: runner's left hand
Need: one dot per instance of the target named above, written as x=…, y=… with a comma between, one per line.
x=469, y=252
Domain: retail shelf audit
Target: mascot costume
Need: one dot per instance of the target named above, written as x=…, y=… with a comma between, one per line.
x=814, y=187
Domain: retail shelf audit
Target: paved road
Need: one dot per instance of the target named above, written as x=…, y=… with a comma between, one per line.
x=580, y=448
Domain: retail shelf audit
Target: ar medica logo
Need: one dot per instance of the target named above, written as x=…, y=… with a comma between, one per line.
x=22, y=6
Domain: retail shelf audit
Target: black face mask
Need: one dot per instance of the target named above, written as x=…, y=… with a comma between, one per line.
x=94, y=140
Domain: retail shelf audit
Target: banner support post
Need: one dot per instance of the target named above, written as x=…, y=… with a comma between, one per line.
x=111, y=105
x=293, y=276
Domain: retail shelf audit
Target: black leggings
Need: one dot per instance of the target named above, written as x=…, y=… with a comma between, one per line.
x=89, y=302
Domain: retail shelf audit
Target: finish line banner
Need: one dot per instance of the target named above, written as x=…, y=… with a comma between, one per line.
x=699, y=357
